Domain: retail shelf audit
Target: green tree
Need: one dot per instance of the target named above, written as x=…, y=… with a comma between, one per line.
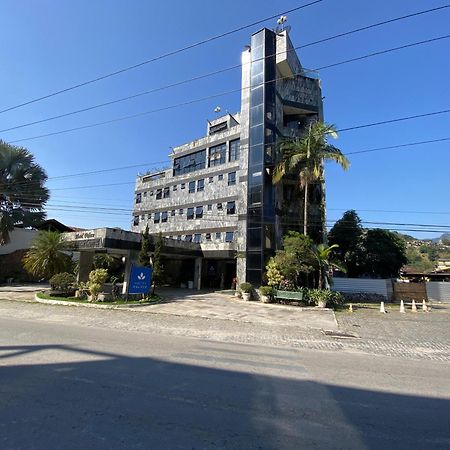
x=144, y=255
x=158, y=269
x=323, y=260
x=46, y=256
x=20, y=176
x=345, y=233
x=305, y=157
x=378, y=253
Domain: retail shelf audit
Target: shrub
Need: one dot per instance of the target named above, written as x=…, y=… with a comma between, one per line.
x=64, y=282
x=287, y=285
x=96, y=279
x=266, y=290
x=246, y=287
x=331, y=298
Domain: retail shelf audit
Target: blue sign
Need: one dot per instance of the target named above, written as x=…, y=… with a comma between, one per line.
x=140, y=280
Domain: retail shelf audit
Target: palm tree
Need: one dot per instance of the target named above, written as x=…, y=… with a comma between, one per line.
x=321, y=254
x=46, y=256
x=304, y=156
x=22, y=191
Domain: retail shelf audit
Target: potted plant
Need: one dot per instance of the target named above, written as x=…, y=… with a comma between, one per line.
x=319, y=297
x=97, y=278
x=266, y=293
x=246, y=289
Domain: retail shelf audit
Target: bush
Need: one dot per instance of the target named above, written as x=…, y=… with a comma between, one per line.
x=246, y=287
x=97, y=278
x=331, y=298
x=64, y=282
x=266, y=290
x=287, y=285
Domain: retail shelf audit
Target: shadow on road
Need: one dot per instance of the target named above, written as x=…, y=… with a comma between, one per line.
x=103, y=400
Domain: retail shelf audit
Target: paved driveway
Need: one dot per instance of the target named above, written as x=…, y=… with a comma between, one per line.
x=217, y=305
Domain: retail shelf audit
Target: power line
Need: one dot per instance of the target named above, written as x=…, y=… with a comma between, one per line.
x=410, y=144
x=166, y=55
x=199, y=77
x=94, y=172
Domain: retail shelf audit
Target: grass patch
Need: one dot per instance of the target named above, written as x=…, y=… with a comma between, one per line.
x=146, y=301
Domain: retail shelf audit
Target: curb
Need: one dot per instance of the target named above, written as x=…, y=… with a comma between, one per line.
x=88, y=305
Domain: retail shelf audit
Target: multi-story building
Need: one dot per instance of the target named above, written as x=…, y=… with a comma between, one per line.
x=218, y=192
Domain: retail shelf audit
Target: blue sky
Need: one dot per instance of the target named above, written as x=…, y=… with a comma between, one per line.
x=48, y=45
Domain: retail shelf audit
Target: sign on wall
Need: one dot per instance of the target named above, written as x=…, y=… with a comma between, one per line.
x=140, y=280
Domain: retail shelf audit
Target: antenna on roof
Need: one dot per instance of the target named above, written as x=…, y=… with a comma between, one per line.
x=280, y=22
x=217, y=109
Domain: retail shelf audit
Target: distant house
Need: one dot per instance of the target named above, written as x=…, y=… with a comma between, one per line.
x=11, y=254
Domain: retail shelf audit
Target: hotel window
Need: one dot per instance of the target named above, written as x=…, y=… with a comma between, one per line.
x=164, y=216
x=180, y=211
x=231, y=208
x=175, y=187
x=235, y=149
x=208, y=236
x=189, y=163
x=172, y=213
x=231, y=178
x=200, y=185
x=166, y=192
x=199, y=212
x=218, y=236
x=191, y=187
x=190, y=213
x=220, y=177
x=197, y=237
x=188, y=238
x=136, y=220
x=211, y=179
x=157, y=217
x=179, y=237
x=158, y=194
x=145, y=194
x=183, y=185
x=138, y=198
x=229, y=235
x=217, y=155
x=151, y=193
x=209, y=207
x=219, y=206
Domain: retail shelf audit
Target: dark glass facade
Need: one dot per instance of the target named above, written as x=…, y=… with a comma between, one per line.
x=261, y=209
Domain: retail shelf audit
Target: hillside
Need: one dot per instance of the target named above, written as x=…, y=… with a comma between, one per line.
x=423, y=254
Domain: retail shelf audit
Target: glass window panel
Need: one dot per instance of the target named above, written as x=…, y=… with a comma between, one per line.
x=190, y=213
x=231, y=178
x=191, y=187
x=166, y=192
x=189, y=163
x=164, y=216
x=231, y=207
x=217, y=155
x=257, y=95
x=235, y=149
x=256, y=154
x=255, y=195
x=229, y=236
x=256, y=114
x=197, y=237
x=199, y=212
x=257, y=134
x=254, y=237
x=157, y=217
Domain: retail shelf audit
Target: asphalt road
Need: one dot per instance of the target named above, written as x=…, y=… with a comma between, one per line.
x=66, y=385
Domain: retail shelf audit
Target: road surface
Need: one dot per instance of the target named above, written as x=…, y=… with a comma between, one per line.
x=68, y=385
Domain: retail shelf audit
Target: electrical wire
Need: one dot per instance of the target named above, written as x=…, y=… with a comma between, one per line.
x=161, y=88
x=172, y=53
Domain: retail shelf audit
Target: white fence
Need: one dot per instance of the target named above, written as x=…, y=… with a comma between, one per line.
x=438, y=291
x=363, y=285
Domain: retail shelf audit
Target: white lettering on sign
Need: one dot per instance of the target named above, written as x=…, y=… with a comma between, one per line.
x=85, y=235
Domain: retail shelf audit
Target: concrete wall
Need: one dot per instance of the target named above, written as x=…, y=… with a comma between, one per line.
x=363, y=285
x=20, y=240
